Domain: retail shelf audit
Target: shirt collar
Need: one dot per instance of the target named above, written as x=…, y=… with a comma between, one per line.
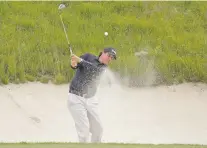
x=97, y=59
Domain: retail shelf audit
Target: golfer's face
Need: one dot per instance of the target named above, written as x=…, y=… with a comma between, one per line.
x=107, y=58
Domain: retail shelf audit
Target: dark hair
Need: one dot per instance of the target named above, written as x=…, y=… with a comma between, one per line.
x=100, y=54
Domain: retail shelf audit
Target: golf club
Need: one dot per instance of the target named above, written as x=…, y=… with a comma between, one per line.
x=61, y=7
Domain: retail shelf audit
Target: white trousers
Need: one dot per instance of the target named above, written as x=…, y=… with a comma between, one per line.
x=84, y=112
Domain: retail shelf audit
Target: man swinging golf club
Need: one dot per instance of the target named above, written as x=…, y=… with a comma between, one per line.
x=82, y=103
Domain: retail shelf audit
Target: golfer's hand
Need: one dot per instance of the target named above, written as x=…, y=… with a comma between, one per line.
x=75, y=60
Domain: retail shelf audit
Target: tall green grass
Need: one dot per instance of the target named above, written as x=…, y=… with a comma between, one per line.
x=33, y=44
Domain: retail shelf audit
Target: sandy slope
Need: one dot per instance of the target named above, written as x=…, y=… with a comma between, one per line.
x=38, y=112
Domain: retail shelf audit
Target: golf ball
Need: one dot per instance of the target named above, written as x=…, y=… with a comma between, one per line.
x=61, y=6
x=105, y=33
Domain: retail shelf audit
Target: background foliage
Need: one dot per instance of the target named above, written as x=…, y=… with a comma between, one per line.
x=34, y=48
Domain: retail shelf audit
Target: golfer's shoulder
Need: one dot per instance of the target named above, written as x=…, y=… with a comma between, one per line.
x=88, y=56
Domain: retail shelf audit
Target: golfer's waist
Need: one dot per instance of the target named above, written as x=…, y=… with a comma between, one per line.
x=76, y=92
x=81, y=93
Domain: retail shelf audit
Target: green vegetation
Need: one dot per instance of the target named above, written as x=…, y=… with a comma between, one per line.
x=102, y=145
x=34, y=48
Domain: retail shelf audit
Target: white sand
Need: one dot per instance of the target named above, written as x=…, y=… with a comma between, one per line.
x=38, y=112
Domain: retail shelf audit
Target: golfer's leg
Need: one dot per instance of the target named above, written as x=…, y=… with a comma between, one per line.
x=95, y=122
x=79, y=114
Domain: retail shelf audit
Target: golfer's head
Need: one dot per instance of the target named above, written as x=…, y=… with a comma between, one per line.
x=107, y=55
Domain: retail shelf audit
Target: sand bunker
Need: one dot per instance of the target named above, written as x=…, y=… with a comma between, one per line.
x=38, y=112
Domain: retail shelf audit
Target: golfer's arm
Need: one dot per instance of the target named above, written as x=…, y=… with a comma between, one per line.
x=73, y=67
x=77, y=66
x=83, y=62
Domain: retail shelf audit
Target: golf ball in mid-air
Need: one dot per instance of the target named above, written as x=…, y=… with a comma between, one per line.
x=61, y=6
x=105, y=33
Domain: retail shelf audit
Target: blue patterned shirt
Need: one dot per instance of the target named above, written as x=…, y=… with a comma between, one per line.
x=87, y=76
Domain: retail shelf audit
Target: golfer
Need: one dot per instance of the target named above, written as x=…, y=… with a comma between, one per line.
x=82, y=103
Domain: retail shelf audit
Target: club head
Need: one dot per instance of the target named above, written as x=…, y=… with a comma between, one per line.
x=61, y=6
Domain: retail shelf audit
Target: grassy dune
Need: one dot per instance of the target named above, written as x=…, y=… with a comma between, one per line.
x=33, y=44
x=74, y=145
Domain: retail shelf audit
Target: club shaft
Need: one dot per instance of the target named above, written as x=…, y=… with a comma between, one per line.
x=66, y=35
